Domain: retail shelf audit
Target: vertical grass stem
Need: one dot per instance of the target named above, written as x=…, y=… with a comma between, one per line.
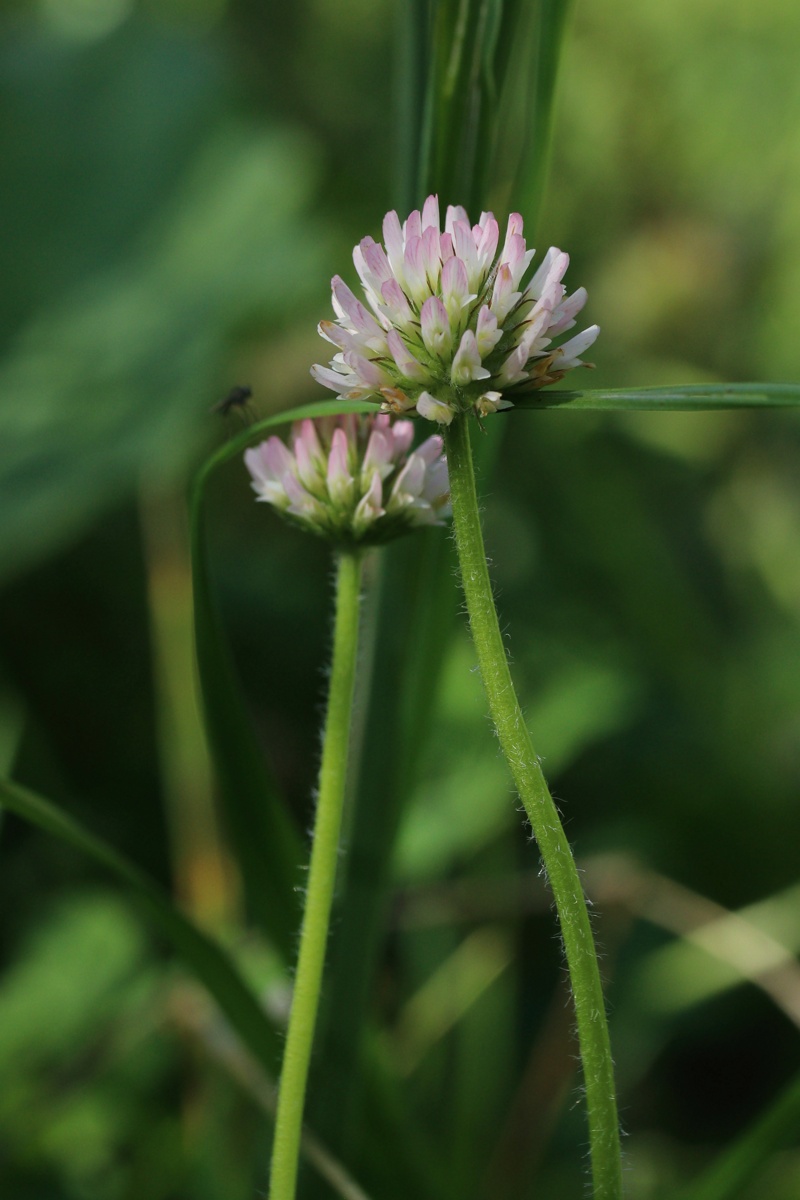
x=515, y=741
x=321, y=881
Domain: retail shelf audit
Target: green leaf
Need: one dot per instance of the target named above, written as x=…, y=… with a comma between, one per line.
x=411, y=64
x=207, y=960
x=268, y=846
x=461, y=100
x=693, y=397
x=735, y=1169
x=549, y=31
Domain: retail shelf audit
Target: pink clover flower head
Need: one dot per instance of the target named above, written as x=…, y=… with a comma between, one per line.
x=353, y=479
x=450, y=323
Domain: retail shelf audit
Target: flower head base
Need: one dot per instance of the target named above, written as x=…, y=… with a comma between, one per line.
x=450, y=326
x=353, y=480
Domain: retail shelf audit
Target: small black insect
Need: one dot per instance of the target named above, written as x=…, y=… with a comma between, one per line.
x=237, y=399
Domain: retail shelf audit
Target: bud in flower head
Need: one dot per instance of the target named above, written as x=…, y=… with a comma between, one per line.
x=354, y=480
x=450, y=325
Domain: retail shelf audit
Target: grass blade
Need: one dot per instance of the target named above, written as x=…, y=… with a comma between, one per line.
x=693, y=397
x=735, y=1169
x=546, y=56
x=204, y=958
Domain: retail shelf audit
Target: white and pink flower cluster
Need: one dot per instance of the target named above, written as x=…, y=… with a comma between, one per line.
x=449, y=325
x=353, y=479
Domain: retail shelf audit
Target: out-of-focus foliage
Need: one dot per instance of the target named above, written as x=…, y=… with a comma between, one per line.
x=180, y=181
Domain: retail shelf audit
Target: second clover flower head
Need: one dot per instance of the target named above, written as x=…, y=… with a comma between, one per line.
x=449, y=324
x=353, y=480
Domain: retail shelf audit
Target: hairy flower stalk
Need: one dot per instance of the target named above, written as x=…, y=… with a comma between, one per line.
x=449, y=324
x=559, y=864
x=321, y=882
x=450, y=329
x=356, y=481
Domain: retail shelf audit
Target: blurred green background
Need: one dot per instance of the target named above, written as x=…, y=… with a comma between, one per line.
x=180, y=180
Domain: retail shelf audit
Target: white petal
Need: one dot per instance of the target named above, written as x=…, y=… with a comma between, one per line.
x=576, y=346
x=337, y=381
x=467, y=362
x=434, y=410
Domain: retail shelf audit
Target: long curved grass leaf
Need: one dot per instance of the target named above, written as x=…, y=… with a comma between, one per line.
x=268, y=847
x=408, y=86
x=774, y=1130
x=693, y=397
x=552, y=16
x=461, y=99
x=207, y=961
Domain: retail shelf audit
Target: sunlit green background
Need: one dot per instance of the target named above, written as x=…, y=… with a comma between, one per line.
x=180, y=180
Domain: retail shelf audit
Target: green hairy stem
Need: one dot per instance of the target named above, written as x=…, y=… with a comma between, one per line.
x=321, y=881
x=543, y=815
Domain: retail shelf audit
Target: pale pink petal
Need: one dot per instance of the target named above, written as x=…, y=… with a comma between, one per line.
x=454, y=213
x=504, y=297
x=411, y=479
x=266, y=482
x=512, y=370
x=516, y=257
x=305, y=431
x=302, y=503
x=431, y=262
x=405, y=360
x=337, y=381
x=455, y=288
x=430, y=449
x=307, y=455
x=340, y=481
x=412, y=228
x=376, y=260
x=414, y=270
x=402, y=436
x=395, y=304
x=367, y=371
x=513, y=229
x=435, y=327
x=533, y=332
x=487, y=333
x=378, y=455
x=465, y=249
x=567, y=311
x=370, y=506
x=553, y=267
x=430, y=214
x=276, y=457
x=350, y=310
x=437, y=484
x=487, y=245
x=393, y=240
x=340, y=337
